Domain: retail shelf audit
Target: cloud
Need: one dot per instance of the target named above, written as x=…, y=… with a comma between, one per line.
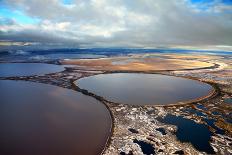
x=121, y=23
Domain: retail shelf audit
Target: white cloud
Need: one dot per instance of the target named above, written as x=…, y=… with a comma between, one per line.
x=49, y=26
x=137, y=23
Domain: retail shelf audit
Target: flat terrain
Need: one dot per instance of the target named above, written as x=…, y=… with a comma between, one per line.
x=139, y=62
x=160, y=129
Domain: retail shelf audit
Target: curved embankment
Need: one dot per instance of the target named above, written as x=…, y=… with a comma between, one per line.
x=108, y=103
x=66, y=124
x=104, y=102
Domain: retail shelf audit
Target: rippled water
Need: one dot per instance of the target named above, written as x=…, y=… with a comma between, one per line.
x=39, y=119
x=27, y=69
x=140, y=89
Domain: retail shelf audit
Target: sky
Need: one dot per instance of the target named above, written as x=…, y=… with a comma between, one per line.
x=193, y=24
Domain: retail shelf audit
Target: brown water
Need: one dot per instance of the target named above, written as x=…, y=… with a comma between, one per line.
x=39, y=119
x=143, y=89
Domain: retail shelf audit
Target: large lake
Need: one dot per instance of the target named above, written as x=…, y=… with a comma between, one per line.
x=40, y=119
x=27, y=69
x=144, y=89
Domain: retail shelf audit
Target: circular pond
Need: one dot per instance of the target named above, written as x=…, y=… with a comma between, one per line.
x=144, y=89
x=40, y=119
x=27, y=69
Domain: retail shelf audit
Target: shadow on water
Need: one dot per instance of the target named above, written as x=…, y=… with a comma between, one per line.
x=189, y=131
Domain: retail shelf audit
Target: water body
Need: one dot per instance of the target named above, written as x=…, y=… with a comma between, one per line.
x=194, y=111
x=147, y=148
x=143, y=89
x=40, y=119
x=27, y=69
x=161, y=130
x=211, y=122
x=189, y=131
x=71, y=56
x=200, y=106
x=228, y=100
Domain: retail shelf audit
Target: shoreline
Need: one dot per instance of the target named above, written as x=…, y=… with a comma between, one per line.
x=108, y=103
x=101, y=99
x=216, y=91
x=75, y=88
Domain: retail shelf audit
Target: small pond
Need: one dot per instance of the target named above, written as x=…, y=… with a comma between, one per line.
x=228, y=100
x=40, y=119
x=28, y=69
x=144, y=89
x=189, y=131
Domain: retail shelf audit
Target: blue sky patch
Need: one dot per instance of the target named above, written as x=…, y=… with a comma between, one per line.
x=18, y=16
x=207, y=4
x=67, y=2
x=228, y=2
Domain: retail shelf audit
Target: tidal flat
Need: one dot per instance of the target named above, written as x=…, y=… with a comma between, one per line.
x=136, y=128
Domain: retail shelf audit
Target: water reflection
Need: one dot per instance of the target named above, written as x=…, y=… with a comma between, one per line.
x=139, y=89
x=39, y=119
x=27, y=69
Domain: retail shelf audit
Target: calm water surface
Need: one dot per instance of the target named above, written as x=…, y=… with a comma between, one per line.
x=39, y=119
x=73, y=56
x=140, y=89
x=27, y=69
x=189, y=131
